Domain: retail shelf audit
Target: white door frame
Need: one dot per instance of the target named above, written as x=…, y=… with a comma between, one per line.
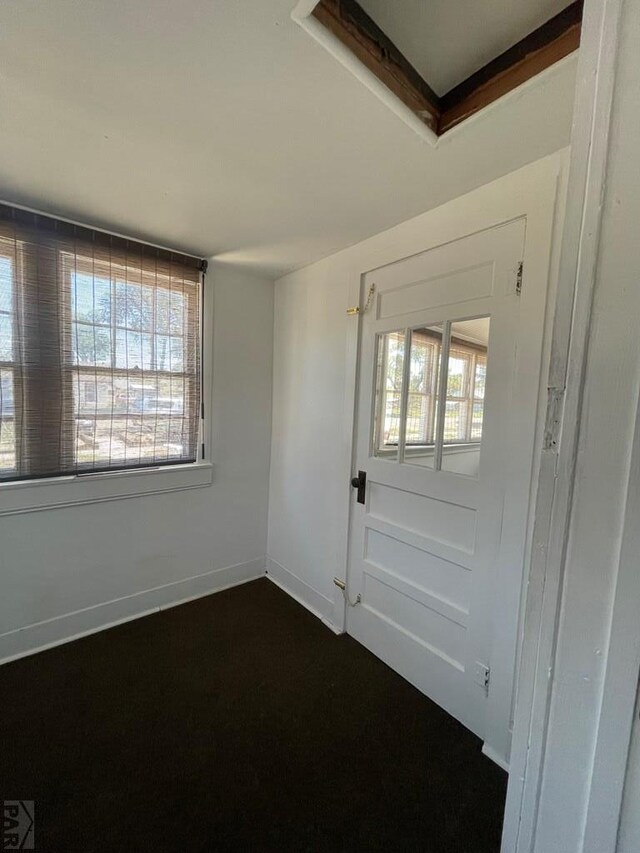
x=531, y=765
x=521, y=194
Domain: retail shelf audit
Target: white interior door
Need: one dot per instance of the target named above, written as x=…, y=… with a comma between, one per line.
x=447, y=400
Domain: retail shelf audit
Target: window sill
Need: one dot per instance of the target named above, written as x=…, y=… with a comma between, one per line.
x=57, y=492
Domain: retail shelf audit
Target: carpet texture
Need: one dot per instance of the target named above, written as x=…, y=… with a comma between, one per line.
x=238, y=722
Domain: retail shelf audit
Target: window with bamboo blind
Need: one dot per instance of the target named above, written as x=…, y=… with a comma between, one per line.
x=99, y=351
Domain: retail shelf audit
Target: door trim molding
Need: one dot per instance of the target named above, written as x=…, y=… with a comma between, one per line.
x=578, y=264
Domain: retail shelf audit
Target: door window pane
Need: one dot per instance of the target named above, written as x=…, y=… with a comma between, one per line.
x=389, y=375
x=430, y=412
x=422, y=396
x=464, y=403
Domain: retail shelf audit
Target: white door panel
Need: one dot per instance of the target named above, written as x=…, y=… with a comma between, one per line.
x=438, y=365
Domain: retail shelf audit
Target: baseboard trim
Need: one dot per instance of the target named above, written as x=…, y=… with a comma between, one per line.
x=314, y=601
x=495, y=757
x=72, y=626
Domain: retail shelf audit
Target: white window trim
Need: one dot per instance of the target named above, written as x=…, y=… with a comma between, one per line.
x=20, y=496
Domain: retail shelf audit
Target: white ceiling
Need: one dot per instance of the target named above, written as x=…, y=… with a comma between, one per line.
x=447, y=40
x=472, y=330
x=221, y=128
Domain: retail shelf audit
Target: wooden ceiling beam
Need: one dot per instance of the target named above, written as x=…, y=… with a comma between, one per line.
x=348, y=21
x=536, y=52
x=552, y=41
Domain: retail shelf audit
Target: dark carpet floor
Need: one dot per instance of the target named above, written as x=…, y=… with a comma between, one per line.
x=237, y=722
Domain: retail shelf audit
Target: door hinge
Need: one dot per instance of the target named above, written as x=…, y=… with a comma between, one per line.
x=482, y=676
x=519, y=277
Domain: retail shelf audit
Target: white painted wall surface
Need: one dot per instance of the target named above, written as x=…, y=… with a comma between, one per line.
x=102, y=556
x=311, y=403
x=307, y=465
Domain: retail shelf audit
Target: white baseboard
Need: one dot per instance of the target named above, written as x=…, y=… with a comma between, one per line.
x=71, y=626
x=314, y=601
x=495, y=757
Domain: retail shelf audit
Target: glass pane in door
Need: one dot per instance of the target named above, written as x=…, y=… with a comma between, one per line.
x=464, y=401
x=388, y=400
x=422, y=396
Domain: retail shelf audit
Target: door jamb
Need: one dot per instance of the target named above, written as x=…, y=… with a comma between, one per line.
x=579, y=255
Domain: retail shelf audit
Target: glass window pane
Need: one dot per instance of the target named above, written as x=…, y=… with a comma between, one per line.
x=130, y=439
x=124, y=419
x=389, y=372
x=6, y=337
x=169, y=353
x=464, y=406
x=134, y=306
x=121, y=395
x=422, y=397
x=455, y=421
x=91, y=298
x=6, y=285
x=169, y=311
x=481, y=375
x=476, y=421
x=7, y=422
x=134, y=350
x=91, y=344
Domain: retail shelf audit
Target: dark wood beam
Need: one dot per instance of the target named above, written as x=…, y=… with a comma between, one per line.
x=537, y=51
x=348, y=21
x=552, y=41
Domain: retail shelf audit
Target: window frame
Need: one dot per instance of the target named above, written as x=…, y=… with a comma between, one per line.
x=82, y=487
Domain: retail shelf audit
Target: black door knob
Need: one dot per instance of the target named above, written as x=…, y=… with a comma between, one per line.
x=360, y=483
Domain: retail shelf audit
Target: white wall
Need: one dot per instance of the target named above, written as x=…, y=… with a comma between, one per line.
x=307, y=466
x=311, y=403
x=60, y=561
